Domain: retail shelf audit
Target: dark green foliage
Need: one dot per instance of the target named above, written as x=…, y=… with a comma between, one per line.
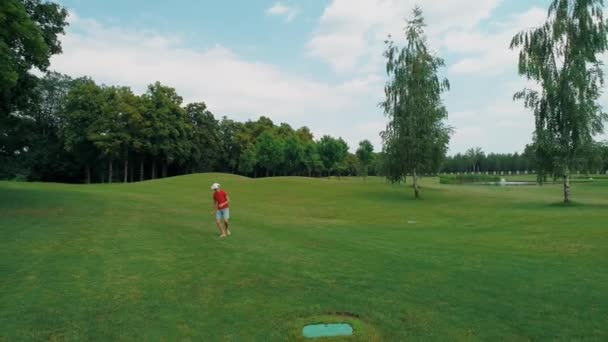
x=294, y=154
x=205, y=138
x=269, y=152
x=365, y=155
x=29, y=36
x=332, y=153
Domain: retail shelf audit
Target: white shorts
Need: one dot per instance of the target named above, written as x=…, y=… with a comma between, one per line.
x=222, y=214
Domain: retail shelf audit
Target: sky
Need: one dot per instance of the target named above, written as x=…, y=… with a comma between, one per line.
x=315, y=63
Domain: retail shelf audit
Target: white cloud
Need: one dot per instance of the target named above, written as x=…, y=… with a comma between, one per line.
x=489, y=53
x=351, y=32
x=502, y=127
x=229, y=84
x=499, y=125
x=280, y=9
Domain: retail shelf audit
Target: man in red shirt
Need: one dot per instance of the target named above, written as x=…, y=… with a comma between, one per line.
x=221, y=204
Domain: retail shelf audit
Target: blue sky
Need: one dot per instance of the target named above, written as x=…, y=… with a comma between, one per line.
x=310, y=62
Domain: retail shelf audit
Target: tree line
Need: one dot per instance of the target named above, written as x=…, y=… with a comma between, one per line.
x=475, y=160
x=75, y=130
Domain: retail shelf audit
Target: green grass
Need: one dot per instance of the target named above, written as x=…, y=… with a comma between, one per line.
x=144, y=262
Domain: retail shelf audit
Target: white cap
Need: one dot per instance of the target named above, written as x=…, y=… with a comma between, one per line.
x=215, y=186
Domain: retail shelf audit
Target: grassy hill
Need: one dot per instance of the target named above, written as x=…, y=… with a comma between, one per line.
x=143, y=261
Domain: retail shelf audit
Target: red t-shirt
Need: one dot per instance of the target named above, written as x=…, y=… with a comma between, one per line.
x=220, y=197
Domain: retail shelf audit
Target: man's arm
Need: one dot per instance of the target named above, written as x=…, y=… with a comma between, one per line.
x=227, y=201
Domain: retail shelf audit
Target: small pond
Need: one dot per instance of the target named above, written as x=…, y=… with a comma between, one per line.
x=505, y=183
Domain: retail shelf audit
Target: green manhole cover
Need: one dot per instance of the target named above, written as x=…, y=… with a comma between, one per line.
x=327, y=330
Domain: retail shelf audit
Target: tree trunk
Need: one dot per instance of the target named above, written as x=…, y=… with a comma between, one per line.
x=87, y=170
x=110, y=171
x=267, y=173
x=153, y=168
x=416, y=189
x=567, y=187
x=309, y=173
x=126, y=169
x=131, y=172
x=141, y=170
x=165, y=169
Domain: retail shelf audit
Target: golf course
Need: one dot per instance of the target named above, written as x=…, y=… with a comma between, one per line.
x=144, y=261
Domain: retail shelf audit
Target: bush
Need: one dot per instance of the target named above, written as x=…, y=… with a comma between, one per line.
x=466, y=179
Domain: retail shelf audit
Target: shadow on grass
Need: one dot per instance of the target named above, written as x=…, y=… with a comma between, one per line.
x=557, y=205
x=573, y=204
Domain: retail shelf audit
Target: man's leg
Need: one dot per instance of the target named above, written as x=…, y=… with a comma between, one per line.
x=218, y=222
x=226, y=218
x=226, y=225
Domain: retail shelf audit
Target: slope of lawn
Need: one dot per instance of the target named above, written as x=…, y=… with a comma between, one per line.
x=144, y=262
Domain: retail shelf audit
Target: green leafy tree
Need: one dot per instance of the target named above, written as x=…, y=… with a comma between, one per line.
x=561, y=56
x=378, y=164
x=365, y=155
x=413, y=104
x=604, y=152
x=593, y=158
x=304, y=134
x=83, y=106
x=129, y=111
x=168, y=126
x=476, y=157
x=114, y=132
x=37, y=133
x=247, y=160
x=284, y=130
x=205, y=137
x=293, y=154
x=332, y=152
x=256, y=128
x=230, y=146
x=141, y=132
x=269, y=152
x=350, y=166
x=29, y=36
x=312, y=159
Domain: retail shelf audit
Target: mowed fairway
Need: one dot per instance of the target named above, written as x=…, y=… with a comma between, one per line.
x=144, y=262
